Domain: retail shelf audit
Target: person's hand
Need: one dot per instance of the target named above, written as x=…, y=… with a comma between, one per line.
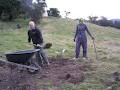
x=93, y=38
x=74, y=39
x=38, y=45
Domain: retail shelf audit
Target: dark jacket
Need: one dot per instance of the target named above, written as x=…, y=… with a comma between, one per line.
x=35, y=35
x=81, y=32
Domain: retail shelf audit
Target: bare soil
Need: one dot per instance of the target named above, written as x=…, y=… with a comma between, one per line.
x=58, y=72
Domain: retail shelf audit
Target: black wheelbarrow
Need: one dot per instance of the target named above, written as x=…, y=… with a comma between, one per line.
x=24, y=57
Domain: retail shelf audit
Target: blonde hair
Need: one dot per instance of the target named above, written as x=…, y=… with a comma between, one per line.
x=32, y=23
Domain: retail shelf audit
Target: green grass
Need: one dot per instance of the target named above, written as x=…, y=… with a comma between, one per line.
x=60, y=32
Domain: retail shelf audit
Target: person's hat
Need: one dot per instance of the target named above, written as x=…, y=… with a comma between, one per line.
x=81, y=20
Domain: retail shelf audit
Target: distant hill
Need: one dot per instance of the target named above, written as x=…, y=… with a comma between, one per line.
x=114, y=20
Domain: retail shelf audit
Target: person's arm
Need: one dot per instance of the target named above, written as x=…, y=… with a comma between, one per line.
x=29, y=37
x=40, y=36
x=89, y=32
x=76, y=33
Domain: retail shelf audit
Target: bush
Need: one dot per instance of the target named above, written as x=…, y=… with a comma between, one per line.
x=117, y=24
x=53, y=12
x=33, y=10
x=9, y=9
x=4, y=17
x=110, y=23
x=103, y=22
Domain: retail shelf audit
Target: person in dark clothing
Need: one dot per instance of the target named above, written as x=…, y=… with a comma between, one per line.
x=35, y=35
x=81, y=39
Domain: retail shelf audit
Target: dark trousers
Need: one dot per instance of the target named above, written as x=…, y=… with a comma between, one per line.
x=41, y=57
x=79, y=43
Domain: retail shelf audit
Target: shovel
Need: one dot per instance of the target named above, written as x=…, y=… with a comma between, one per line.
x=46, y=46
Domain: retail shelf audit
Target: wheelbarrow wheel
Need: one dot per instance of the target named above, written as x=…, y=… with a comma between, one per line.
x=32, y=71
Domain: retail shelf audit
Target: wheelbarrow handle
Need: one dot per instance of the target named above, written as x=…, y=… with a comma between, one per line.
x=39, y=46
x=46, y=46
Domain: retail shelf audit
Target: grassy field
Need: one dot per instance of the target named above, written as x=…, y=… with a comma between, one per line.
x=60, y=32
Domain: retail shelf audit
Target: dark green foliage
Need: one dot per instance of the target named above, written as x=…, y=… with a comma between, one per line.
x=33, y=10
x=54, y=12
x=117, y=24
x=105, y=22
x=9, y=9
x=37, y=12
x=93, y=19
x=110, y=23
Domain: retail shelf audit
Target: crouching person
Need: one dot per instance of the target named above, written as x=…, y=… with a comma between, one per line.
x=35, y=35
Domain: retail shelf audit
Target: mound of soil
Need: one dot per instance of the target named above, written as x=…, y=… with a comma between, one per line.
x=58, y=72
x=64, y=70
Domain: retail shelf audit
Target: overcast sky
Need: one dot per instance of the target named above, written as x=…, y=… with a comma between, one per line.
x=85, y=8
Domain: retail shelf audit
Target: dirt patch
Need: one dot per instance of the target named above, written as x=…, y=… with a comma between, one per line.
x=65, y=70
x=58, y=72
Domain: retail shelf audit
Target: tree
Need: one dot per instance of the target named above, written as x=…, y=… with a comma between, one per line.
x=93, y=19
x=66, y=14
x=33, y=10
x=103, y=21
x=53, y=12
x=103, y=18
x=9, y=9
x=90, y=18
